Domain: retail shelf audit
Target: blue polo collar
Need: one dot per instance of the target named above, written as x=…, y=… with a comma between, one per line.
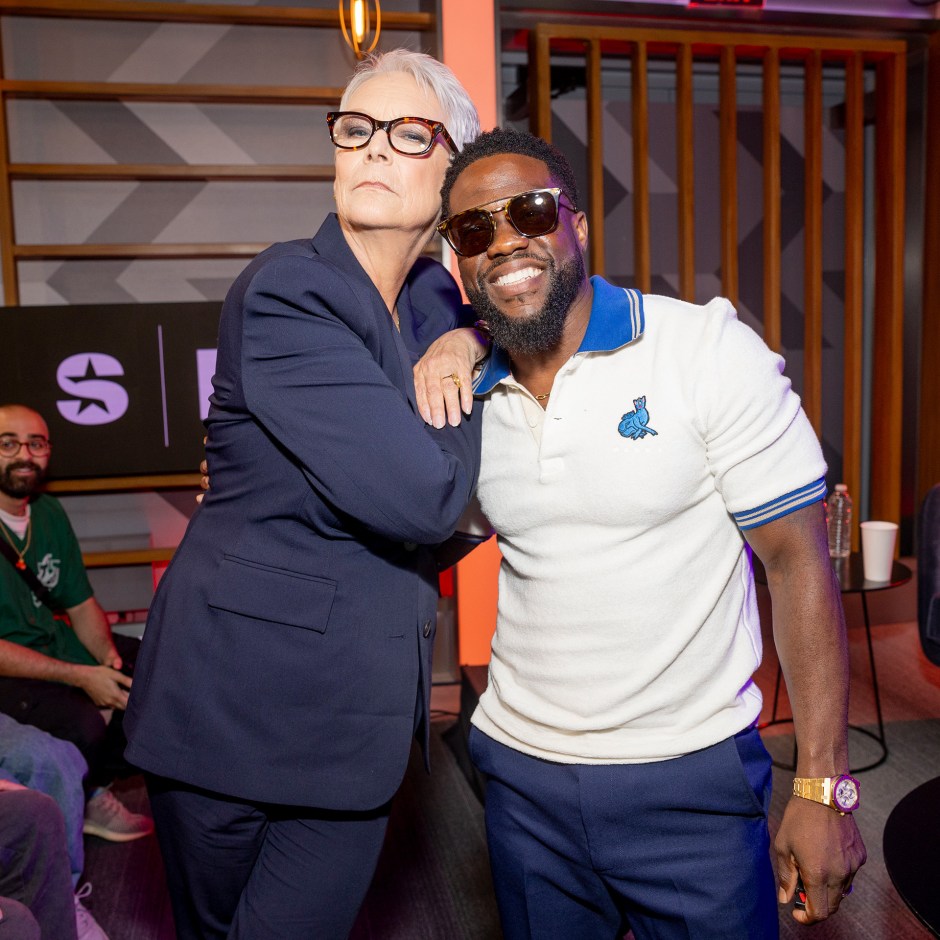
x=616, y=320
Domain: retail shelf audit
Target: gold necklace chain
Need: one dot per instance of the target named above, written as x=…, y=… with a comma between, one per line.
x=21, y=564
x=542, y=397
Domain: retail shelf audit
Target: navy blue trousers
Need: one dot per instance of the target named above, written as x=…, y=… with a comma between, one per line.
x=673, y=849
x=257, y=871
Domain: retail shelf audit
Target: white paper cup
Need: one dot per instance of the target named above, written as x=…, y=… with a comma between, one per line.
x=878, y=549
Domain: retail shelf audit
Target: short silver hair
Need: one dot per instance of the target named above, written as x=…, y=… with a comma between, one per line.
x=460, y=113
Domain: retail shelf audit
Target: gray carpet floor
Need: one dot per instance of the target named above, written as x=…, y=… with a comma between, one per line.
x=433, y=881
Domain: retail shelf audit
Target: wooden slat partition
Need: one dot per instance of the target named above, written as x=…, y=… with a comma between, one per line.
x=728, y=122
x=815, y=53
x=595, y=125
x=888, y=377
x=812, y=241
x=641, y=170
x=770, y=93
x=853, y=329
x=160, y=12
x=928, y=464
x=685, y=165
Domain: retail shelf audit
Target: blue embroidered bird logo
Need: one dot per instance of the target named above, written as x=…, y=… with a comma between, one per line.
x=633, y=424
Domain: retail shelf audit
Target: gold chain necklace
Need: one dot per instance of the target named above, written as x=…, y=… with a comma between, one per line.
x=542, y=397
x=21, y=564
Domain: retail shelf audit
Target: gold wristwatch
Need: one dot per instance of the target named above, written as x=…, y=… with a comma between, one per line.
x=841, y=793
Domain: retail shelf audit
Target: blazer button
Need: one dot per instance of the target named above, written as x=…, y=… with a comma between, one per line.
x=427, y=628
x=409, y=546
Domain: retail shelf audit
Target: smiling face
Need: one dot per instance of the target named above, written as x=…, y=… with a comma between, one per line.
x=377, y=188
x=21, y=474
x=523, y=287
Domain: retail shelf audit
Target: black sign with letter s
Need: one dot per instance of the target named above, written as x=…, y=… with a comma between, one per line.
x=123, y=387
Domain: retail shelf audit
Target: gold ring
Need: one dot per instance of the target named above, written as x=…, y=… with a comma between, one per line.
x=455, y=377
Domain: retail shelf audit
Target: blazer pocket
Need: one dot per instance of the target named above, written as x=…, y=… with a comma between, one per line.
x=273, y=594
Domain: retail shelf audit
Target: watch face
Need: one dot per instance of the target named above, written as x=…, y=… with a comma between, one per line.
x=846, y=794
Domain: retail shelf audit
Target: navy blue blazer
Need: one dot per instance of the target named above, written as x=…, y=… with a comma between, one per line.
x=287, y=655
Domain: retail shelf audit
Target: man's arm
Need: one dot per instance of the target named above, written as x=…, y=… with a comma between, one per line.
x=91, y=626
x=105, y=686
x=825, y=848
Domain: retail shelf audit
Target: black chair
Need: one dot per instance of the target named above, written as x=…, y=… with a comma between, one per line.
x=928, y=575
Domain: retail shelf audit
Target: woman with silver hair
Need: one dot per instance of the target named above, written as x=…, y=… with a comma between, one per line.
x=287, y=658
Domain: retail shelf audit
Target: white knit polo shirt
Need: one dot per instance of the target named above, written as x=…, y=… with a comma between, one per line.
x=627, y=626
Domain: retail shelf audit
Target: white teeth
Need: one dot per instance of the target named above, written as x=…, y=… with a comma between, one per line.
x=514, y=277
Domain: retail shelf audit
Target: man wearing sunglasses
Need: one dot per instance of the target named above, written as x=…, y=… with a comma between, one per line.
x=634, y=448
x=59, y=663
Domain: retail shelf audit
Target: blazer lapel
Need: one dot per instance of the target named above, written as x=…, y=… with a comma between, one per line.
x=393, y=356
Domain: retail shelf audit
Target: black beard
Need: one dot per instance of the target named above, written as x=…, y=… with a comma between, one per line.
x=543, y=330
x=17, y=487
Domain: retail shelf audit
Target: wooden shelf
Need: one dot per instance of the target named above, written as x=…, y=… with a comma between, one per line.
x=189, y=94
x=315, y=173
x=155, y=481
x=134, y=556
x=139, y=250
x=205, y=13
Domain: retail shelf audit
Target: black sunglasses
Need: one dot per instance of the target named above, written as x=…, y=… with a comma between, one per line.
x=412, y=136
x=531, y=214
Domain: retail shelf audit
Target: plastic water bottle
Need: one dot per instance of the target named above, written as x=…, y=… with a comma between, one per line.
x=839, y=521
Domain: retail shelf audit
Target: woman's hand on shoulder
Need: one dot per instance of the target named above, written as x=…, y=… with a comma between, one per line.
x=444, y=376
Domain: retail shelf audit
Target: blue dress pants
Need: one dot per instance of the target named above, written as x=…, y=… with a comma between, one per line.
x=257, y=871
x=672, y=849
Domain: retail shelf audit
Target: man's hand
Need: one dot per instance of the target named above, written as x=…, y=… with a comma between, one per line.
x=814, y=841
x=823, y=848
x=105, y=686
x=440, y=397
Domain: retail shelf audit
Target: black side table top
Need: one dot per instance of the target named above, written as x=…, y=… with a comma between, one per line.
x=851, y=575
x=912, y=852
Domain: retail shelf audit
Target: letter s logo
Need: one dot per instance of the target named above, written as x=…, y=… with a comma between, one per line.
x=96, y=401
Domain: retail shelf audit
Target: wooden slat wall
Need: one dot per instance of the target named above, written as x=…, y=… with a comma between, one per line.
x=815, y=53
x=928, y=438
x=888, y=369
x=812, y=241
x=728, y=123
x=595, y=123
x=641, y=169
x=134, y=10
x=685, y=164
x=772, y=245
x=854, y=258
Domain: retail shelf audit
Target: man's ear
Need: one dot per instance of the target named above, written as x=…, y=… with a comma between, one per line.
x=581, y=229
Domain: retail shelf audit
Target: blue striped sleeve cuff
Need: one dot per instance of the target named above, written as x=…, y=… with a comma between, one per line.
x=782, y=505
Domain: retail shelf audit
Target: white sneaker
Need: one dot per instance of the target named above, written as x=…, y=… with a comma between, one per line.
x=88, y=928
x=108, y=818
